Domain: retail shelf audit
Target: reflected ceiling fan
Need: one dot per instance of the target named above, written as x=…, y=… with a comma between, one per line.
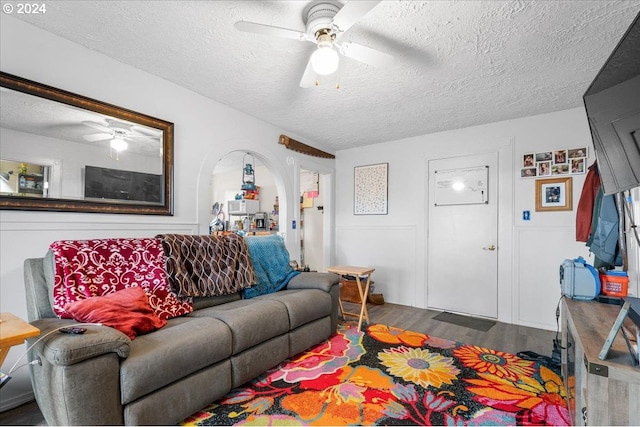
x=326, y=21
x=119, y=133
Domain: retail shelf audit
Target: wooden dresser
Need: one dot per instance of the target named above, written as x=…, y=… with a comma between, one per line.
x=601, y=392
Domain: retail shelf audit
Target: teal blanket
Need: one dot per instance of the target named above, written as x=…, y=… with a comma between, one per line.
x=271, y=268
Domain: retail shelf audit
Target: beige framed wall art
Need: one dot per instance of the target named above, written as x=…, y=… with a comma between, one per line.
x=554, y=194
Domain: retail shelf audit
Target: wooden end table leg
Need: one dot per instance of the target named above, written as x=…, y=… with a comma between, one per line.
x=363, y=300
x=341, y=309
x=3, y=354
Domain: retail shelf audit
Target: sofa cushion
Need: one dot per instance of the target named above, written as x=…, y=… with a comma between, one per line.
x=250, y=321
x=127, y=310
x=89, y=268
x=184, y=346
x=303, y=305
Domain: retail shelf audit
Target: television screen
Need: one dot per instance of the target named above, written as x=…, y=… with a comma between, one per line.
x=613, y=109
x=104, y=183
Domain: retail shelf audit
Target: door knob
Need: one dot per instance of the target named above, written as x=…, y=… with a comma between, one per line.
x=490, y=248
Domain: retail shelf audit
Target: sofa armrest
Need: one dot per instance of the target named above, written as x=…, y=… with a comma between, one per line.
x=68, y=349
x=312, y=280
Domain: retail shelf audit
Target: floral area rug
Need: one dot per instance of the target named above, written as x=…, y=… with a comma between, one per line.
x=389, y=376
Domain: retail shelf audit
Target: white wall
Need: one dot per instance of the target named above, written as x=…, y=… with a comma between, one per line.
x=205, y=131
x=395, y=243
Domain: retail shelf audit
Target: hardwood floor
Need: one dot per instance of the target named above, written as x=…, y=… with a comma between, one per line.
x=502, y=336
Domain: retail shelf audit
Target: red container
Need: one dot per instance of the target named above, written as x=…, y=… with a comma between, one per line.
x=614, y=283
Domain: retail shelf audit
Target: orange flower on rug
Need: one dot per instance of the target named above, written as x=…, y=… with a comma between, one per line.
x=503, y=365
x=390, y=376
x=391, y=335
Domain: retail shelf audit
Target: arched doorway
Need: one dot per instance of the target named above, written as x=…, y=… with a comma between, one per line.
x=260, y=208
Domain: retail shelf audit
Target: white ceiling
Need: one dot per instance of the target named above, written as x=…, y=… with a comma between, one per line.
x=457, y=63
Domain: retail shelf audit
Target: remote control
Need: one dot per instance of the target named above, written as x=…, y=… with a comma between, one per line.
x=74, y=331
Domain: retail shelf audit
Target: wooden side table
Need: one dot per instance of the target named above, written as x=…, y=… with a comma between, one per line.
x=351, y=270
x=13, y=331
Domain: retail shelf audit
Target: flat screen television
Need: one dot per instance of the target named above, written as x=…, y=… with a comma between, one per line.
x=114, y=184
x=613, y=109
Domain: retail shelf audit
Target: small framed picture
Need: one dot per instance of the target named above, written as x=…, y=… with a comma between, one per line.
x=554, y=194
x=560, y=157
x=577, y=166
x=528, y=172
x=562, y=169
x=544, y=169
x=528, y=160
x=576, y=153
x=544, y=157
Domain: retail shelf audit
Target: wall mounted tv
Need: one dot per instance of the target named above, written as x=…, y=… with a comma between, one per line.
x=613, y=108
x=103, y=183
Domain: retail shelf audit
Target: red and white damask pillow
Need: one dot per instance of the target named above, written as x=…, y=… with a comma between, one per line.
x=99, y=267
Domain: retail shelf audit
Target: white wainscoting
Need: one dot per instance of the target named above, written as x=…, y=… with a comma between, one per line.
x=537, y=274
x=390, y=250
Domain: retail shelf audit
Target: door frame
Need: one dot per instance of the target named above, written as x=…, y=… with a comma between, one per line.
x=326, y=177
x=504, y=147
x=479, y=280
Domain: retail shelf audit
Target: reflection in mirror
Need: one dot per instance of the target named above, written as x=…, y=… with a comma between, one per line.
x=78, y=154
x=30, y=179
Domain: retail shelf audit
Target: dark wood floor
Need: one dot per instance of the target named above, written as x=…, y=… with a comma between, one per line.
x=502, y=336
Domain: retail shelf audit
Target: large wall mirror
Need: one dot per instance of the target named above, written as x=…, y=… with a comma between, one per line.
x=65, y=152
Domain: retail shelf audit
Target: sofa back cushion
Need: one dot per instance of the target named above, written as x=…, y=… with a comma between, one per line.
x=39, y=305
x=204, y=302
x=98, y=267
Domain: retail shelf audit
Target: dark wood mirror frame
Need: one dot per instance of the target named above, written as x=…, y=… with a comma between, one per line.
x=111, y=206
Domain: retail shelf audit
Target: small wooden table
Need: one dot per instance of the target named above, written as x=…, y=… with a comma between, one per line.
x=13, y=331
x=351, y=270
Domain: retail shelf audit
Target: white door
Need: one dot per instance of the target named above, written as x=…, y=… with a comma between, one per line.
x=462, y=237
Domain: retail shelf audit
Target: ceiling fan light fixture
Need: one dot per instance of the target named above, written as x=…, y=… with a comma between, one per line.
x=118, y=143
x=325, y=60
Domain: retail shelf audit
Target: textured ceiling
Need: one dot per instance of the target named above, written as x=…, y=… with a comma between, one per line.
x=457, y=63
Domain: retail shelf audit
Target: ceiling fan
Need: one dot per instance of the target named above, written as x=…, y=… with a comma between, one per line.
x=118, y=132
x=325, y=23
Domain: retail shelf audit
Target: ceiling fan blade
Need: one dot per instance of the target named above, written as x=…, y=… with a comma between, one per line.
x=309, y=77
x=268, y=30
x=98, y=126
x=366, y=54
x=97, y=137
x=351, y=13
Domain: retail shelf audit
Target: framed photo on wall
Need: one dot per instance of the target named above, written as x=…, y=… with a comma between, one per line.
x=370, y=188
x=555, y=194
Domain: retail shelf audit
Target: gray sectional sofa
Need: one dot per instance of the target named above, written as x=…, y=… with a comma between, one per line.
x=103, y=378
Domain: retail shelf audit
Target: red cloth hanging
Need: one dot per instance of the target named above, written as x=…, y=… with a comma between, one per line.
x=584, y=213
